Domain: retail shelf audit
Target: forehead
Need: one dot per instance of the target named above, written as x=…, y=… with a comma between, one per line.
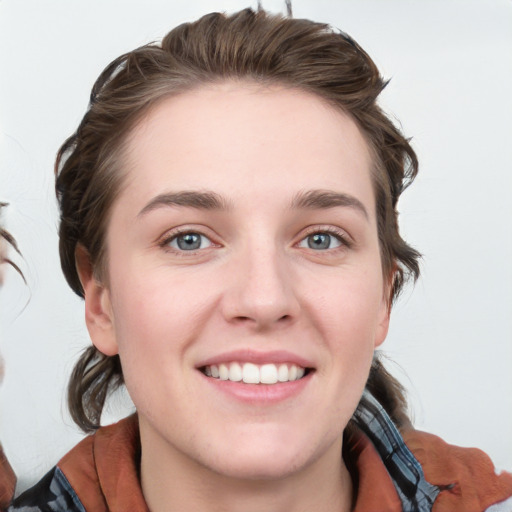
x=243, y=138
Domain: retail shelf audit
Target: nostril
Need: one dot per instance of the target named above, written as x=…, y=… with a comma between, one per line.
x=242, y=319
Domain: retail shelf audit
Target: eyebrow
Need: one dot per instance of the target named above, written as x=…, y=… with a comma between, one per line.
x=323, y=199
x=190, y=199
x=311, y=199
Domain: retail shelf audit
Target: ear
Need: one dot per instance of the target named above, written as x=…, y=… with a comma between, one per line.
x=384, y=312
x=98, y=307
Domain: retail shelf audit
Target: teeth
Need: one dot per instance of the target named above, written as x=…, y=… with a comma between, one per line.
x=282, y=373
x=223, y=372
x=268, y=374
x=235, y=372
x=250, y=374
x=253, y=374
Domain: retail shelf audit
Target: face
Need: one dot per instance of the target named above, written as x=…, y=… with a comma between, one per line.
x=245, y=294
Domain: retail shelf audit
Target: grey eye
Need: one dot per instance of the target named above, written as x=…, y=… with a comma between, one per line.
x=190, y=242
x=320, y=241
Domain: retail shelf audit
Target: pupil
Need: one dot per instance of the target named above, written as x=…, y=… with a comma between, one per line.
x=189, y=242
x=319, y=241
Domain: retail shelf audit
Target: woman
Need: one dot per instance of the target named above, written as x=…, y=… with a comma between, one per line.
x=228, y=213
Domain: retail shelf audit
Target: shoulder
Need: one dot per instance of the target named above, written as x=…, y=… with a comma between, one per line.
x=52, y=493
x=99, y=474
x=56, y=491
x=466, y=477
x=428, y=474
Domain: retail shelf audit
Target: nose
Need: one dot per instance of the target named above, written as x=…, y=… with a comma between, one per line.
x=260, y=290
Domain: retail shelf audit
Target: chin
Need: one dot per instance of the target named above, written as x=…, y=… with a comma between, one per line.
x=261, y=459
x=258, y=469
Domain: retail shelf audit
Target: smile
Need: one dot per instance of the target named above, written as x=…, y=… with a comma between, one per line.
x=251, y=373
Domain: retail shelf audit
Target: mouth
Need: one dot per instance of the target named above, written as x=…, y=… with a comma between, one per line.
x=250, y=373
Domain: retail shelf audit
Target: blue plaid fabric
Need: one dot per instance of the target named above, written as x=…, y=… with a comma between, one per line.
x=416, y=494
x=53, y=493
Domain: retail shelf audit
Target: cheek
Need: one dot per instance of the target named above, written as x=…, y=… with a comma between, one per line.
x=146, y=331
x=157, y=316
x=347, y=301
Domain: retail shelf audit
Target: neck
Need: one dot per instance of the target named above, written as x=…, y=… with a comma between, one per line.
x=172, y=482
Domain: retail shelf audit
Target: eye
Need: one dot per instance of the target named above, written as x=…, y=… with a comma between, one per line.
x=321, y=241
x=189, y=242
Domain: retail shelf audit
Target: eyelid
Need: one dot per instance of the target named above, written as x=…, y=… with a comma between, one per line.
x=344, y=238
x=174, y=242
x=164, y=240
x=171, y=234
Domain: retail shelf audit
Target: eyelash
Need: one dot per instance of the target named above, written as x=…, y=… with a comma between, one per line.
x=170, y=237
x=338, y=234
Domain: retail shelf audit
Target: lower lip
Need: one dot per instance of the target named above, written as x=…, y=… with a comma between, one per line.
x=260, y=393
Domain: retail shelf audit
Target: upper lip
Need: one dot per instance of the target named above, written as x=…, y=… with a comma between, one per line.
x=259, y=358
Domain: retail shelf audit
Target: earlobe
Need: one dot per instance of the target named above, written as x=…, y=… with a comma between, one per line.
x=98, y=308
x=383, y=326
x=385, y=312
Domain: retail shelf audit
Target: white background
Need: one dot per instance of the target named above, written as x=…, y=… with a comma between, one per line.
x=451, y=67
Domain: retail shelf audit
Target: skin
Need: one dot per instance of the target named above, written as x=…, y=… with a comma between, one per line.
x=255, y=285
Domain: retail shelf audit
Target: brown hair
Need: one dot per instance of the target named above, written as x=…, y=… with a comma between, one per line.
x=248, y=45
x=6, y=237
